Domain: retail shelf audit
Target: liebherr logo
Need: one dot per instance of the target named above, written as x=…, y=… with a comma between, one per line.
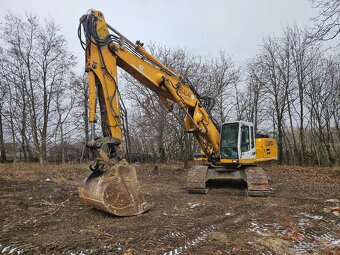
x=186, y=93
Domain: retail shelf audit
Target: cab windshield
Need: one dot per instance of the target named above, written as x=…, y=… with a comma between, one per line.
x=229, y=140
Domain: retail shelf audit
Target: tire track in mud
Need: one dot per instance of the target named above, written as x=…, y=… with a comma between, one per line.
x=17, y=248
x=198, y=236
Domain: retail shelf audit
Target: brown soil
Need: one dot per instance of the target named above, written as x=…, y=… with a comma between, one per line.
x=40, y=213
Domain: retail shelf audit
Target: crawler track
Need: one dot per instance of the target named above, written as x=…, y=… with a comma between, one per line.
x=257, y=182
x=196, y=180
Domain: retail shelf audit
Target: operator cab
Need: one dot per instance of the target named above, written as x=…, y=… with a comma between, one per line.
x=237, y=142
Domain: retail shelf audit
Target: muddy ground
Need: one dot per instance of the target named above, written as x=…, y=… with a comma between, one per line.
x=40, y=213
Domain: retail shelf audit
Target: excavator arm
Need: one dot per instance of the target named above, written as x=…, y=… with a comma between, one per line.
x=105, y=52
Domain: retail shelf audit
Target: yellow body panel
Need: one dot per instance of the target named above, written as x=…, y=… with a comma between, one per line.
x=266, y=150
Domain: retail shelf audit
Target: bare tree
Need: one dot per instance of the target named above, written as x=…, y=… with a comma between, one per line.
x=299, y=87
x=81, y=121
x=64, y=108
x=327, y=22
x=253, y=97
x=303, y=54
x=2, y=95
x=272, y=60
x=218, y=79
x=40, y=54
x=324, y=111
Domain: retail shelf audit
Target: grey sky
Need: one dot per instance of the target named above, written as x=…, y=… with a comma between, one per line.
x=205, y=26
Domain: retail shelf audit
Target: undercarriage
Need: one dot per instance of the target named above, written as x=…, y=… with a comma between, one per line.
x=255, y=177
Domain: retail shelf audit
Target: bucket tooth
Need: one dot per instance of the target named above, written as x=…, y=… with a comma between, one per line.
x=116, y=191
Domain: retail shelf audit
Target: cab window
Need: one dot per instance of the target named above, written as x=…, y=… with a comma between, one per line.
x=245, y=138
x=252, y=137
x=229, y=140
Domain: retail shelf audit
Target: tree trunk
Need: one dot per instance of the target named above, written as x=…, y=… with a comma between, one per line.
x=62, y=144
x=2, y=144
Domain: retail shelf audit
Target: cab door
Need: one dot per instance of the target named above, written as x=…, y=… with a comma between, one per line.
x=247, y=141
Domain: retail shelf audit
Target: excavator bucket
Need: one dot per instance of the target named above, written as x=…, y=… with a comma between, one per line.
x=116, y=191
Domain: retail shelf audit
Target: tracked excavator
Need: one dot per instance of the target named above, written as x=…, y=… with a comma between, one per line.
x=232, y=150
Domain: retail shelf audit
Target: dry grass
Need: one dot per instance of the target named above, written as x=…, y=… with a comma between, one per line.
x=34, y=171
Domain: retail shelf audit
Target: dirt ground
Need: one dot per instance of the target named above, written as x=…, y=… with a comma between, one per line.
x=40, y=213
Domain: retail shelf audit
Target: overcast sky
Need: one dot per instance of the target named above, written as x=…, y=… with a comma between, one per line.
x=205, y=26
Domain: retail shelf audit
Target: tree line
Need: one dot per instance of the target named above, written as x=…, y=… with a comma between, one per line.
x=290, y=89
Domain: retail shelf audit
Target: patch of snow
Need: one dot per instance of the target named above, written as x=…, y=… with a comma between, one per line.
x=314, y=217
x=12, y=250
x=193, y=205
x=7, y=248
x=335, y=242
x=332, y=201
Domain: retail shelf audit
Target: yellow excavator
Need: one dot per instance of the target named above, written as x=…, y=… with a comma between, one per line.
x=232, y=149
